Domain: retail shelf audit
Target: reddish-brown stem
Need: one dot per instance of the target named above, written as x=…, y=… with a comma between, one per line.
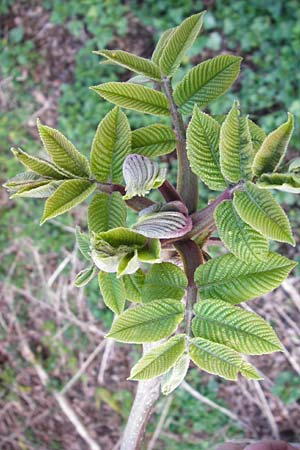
x=169, y=193
x=187, y=182
x=192, y=257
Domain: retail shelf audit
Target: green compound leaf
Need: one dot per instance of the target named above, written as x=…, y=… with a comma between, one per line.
x=85, y=276
x=270, y=155
x=203, y=149
x=41, y=190
x=154, y=140
x=113, y=291
x=134, y=96
x=257, y=135
x=39, y=165
x=174, y=377
x=133, y=286
x=164, y=225
x=286, y=182
x=241, y=239
x=106, y=211
x=159, y=48
x=158, y=360
x=141, y=175
x=110, y=147
x=258, y=208
x=69, y=194
x=148, y=323
x=220, y=360
x=83, y=242
x=63, y=152
x=206, y=82
x=132, y=62
x=164, y=280
x=241, y=330
x=236, y=150
x=230, y=279
x=179, y=42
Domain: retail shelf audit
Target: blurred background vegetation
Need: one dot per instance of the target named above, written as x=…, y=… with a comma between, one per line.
x=46, y=68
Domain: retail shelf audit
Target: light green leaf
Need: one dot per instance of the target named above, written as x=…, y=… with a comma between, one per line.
x=179, y=42
x=294, y=166
x=69, y=194
x=113, y=291
x=230, y=279
x=257, y=135
x=24, y=179
x=43, y=190
x=63, y=152
x=139, y=79
x=174, y=377
x=164, y=280
x=110, y=147
x=236, y=150
x=241, y=239
x=118, y=241
x=148, y=323
x=141, y=175
x=39, y=165
x=241, y=330
x=132, y=62
x=206, y=82
x=219, y=359
x=270, y=155
x=203, y=149
x=106, y=211
x=258, y=209
x=83, y=242
x=151, y=252
x=286, y=182
x=134, y=96
x=133, y=286
x=85, y=276
x=163, y=225
x=159, y=48
x=153, y=140
x=129, y=264
x=158, y=360
x=106, y=263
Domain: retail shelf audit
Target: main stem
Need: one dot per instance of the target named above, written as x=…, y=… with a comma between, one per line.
x=187, y=186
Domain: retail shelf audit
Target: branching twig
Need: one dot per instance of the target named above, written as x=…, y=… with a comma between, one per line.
x=109, y=345
x=59, y=397
x=266, y=410
x=83, y=368
x=161, y=423
x=211, y=404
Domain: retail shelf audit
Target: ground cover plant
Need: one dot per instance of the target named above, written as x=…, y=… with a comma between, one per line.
x=186, y=308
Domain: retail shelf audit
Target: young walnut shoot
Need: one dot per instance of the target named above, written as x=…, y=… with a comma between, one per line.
x=189, y=314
